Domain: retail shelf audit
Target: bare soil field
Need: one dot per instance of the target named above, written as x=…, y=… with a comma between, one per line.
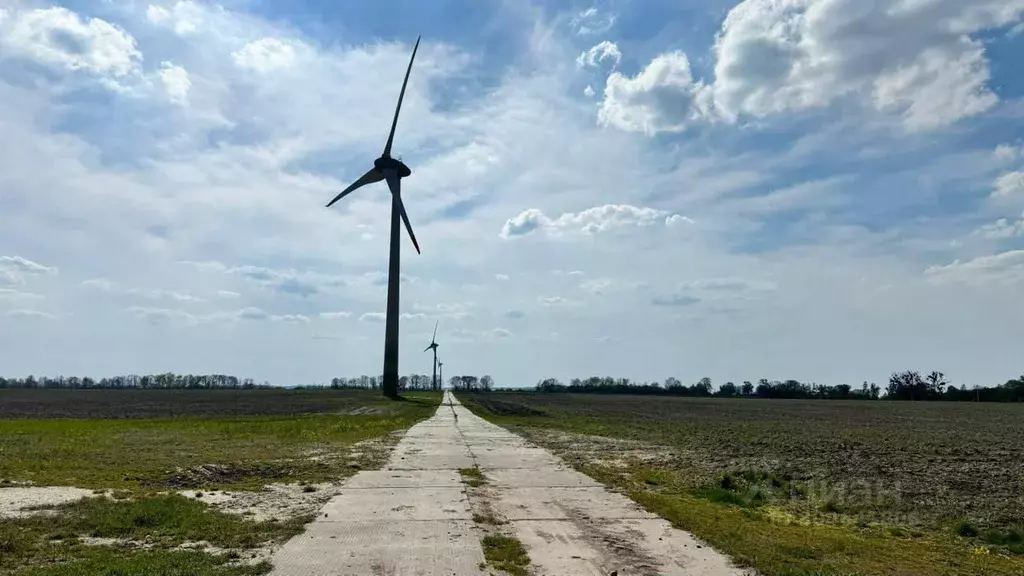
x=173, y=403
x=792, y=486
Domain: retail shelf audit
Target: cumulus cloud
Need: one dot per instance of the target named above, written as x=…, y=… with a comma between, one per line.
x=1009, y=185
x=996, y=269
x=599, y=53
x=286, y=281
x=267, y=55
x=59, y=37
x=1001, y=229
x=590, y=221
x=373, y=317
x=1008, y=152
x=677, y=220
x=183, y=17
x=176, y=82
x=663, y=97
x=335, y=315
x=920, y=61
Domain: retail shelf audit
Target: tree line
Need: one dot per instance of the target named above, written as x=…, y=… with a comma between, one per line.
x=171, y=381
x=908, y=385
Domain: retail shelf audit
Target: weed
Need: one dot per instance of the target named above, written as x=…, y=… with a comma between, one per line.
x=473, y=477
x=488, y=519
x=506, y=553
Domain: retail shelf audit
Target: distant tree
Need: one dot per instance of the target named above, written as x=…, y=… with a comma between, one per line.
x=702, y=387
x=747, y=389
x=728, y=390
x=486, y=383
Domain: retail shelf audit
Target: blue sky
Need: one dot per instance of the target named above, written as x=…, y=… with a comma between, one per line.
x=826, y=190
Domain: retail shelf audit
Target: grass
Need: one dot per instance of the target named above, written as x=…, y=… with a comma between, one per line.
x=506, y=553
x=489, y=519
x=51, y=544
x=140, y=457
x=472, y=477
x=803, y=487
x=248, y=451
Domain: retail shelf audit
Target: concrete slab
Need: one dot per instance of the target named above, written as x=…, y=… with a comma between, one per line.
x=397, y=504
x=413, y=517
x=377, y=479
x=382, y=548
x=539, y=477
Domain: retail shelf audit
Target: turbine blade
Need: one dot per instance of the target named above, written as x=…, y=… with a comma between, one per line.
x=434, y=337
x=401, y=95
x=405, y=218
x=427, y=348
x=395, y=184
x=370, y=177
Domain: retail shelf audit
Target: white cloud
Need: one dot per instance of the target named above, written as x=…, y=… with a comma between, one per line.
x=183, y=17
x=1002, y=229
x=997, y=269
x=1008, y=152
x=589, y=91
x=598, y=53
x=25, y=266
x=677, y=220
x=267, y=55
x=1009, y=185
x=597, y=287
x=9, y=278
x=228, y=294
x=590, y=221
x=663, y=97
x=335, y=315
x=60, y=37
x=31, y=314
x=10, y=294
x=373, y=317
x=557, y=301
x=176, y=82
x=110, y=287
x=915, y=59
x=593, y=21
x=501, y=277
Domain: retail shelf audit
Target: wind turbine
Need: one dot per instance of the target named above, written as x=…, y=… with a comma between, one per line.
x=433, y=346
x=440, y=372
x=392, y=170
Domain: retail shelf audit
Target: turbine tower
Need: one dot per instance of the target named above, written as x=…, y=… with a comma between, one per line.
x=440, y=372
x=392, y=170
x=433, y=346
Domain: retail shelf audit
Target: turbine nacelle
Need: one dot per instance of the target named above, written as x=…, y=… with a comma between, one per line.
x=385, y=163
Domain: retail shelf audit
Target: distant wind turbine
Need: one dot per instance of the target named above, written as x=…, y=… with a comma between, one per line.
x=392, y=170
x=440, y=372
x=433, y=346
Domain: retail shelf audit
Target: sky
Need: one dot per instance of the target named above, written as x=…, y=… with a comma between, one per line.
x=823, y=190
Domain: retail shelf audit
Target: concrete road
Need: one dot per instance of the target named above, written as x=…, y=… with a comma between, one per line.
x=416, y=516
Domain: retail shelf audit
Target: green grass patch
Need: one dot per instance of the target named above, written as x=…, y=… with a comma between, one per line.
x=52, y=541
x=247, y=451
x=506, y=553
x=489, y=519
x=472, y=477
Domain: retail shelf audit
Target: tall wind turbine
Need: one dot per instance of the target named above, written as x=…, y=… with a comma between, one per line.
x=440, y=372
x=392, y=170
x=433, y=346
